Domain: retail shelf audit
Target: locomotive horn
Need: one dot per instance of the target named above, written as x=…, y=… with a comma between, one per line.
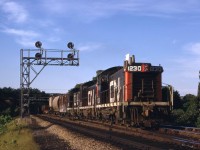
x=38, y=44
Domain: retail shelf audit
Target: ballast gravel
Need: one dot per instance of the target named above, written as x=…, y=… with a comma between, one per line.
x=60, y=138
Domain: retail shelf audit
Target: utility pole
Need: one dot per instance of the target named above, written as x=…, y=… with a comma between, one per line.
x=30, y=58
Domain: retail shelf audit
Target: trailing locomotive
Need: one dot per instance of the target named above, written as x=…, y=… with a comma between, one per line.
x=130, y=94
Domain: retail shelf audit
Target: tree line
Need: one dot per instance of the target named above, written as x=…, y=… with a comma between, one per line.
x=186, y=109
x=10, y=99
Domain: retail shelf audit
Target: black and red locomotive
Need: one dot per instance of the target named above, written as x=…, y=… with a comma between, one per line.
x=130, y=94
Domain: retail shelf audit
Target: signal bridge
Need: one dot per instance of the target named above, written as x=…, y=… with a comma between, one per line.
x=30, y=58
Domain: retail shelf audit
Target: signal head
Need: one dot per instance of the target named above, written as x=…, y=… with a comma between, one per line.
x=70, y=45
x=38, y=44
x=38, y=56
x=70, y=56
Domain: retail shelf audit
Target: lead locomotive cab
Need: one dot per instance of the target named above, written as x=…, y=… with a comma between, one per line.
x=143, y=93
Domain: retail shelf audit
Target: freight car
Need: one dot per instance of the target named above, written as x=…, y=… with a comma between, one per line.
x=58, y=104
x=131, y=94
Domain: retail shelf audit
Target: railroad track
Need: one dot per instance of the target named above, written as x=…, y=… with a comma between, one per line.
x=187, y=132
x=184, y=138
x=181, y=132
x=99, y=133
x=178, y=132
x=124, y=136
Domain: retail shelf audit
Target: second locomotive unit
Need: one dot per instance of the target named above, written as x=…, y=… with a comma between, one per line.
x=131, y=94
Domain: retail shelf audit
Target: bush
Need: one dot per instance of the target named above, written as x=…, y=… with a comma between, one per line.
x=188, y=115
x=198, y=122
x=179, y=116
x=5, y=119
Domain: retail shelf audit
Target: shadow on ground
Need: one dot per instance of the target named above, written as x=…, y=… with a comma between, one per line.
x=46, y=140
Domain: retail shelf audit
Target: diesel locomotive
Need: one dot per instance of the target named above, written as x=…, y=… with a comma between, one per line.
x=129, y=94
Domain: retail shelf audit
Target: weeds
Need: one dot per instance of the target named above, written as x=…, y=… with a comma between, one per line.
x=15, y=134
x=4, y=119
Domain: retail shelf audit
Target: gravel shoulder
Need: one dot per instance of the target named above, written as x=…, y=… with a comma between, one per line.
x=54, y=137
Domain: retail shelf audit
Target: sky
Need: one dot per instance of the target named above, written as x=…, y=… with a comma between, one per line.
x=156, y=32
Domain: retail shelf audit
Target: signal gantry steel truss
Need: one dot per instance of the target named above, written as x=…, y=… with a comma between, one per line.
x=30, y=58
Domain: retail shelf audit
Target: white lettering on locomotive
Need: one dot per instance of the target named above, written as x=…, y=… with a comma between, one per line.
x=144, y=68
x=113, y=87
x=135, y=68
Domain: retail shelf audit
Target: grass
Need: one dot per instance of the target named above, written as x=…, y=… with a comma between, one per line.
x=16, y=135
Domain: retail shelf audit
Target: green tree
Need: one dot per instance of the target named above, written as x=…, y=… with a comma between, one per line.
x=179, y=117
x=177, y=100
x=176, y=97
x=10, y=98
x=189, y=113
x=198, y=122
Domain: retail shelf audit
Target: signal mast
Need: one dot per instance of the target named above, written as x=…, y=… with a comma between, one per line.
x=30, y=58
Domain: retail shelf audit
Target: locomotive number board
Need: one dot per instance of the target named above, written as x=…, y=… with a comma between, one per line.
x=144, y=68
